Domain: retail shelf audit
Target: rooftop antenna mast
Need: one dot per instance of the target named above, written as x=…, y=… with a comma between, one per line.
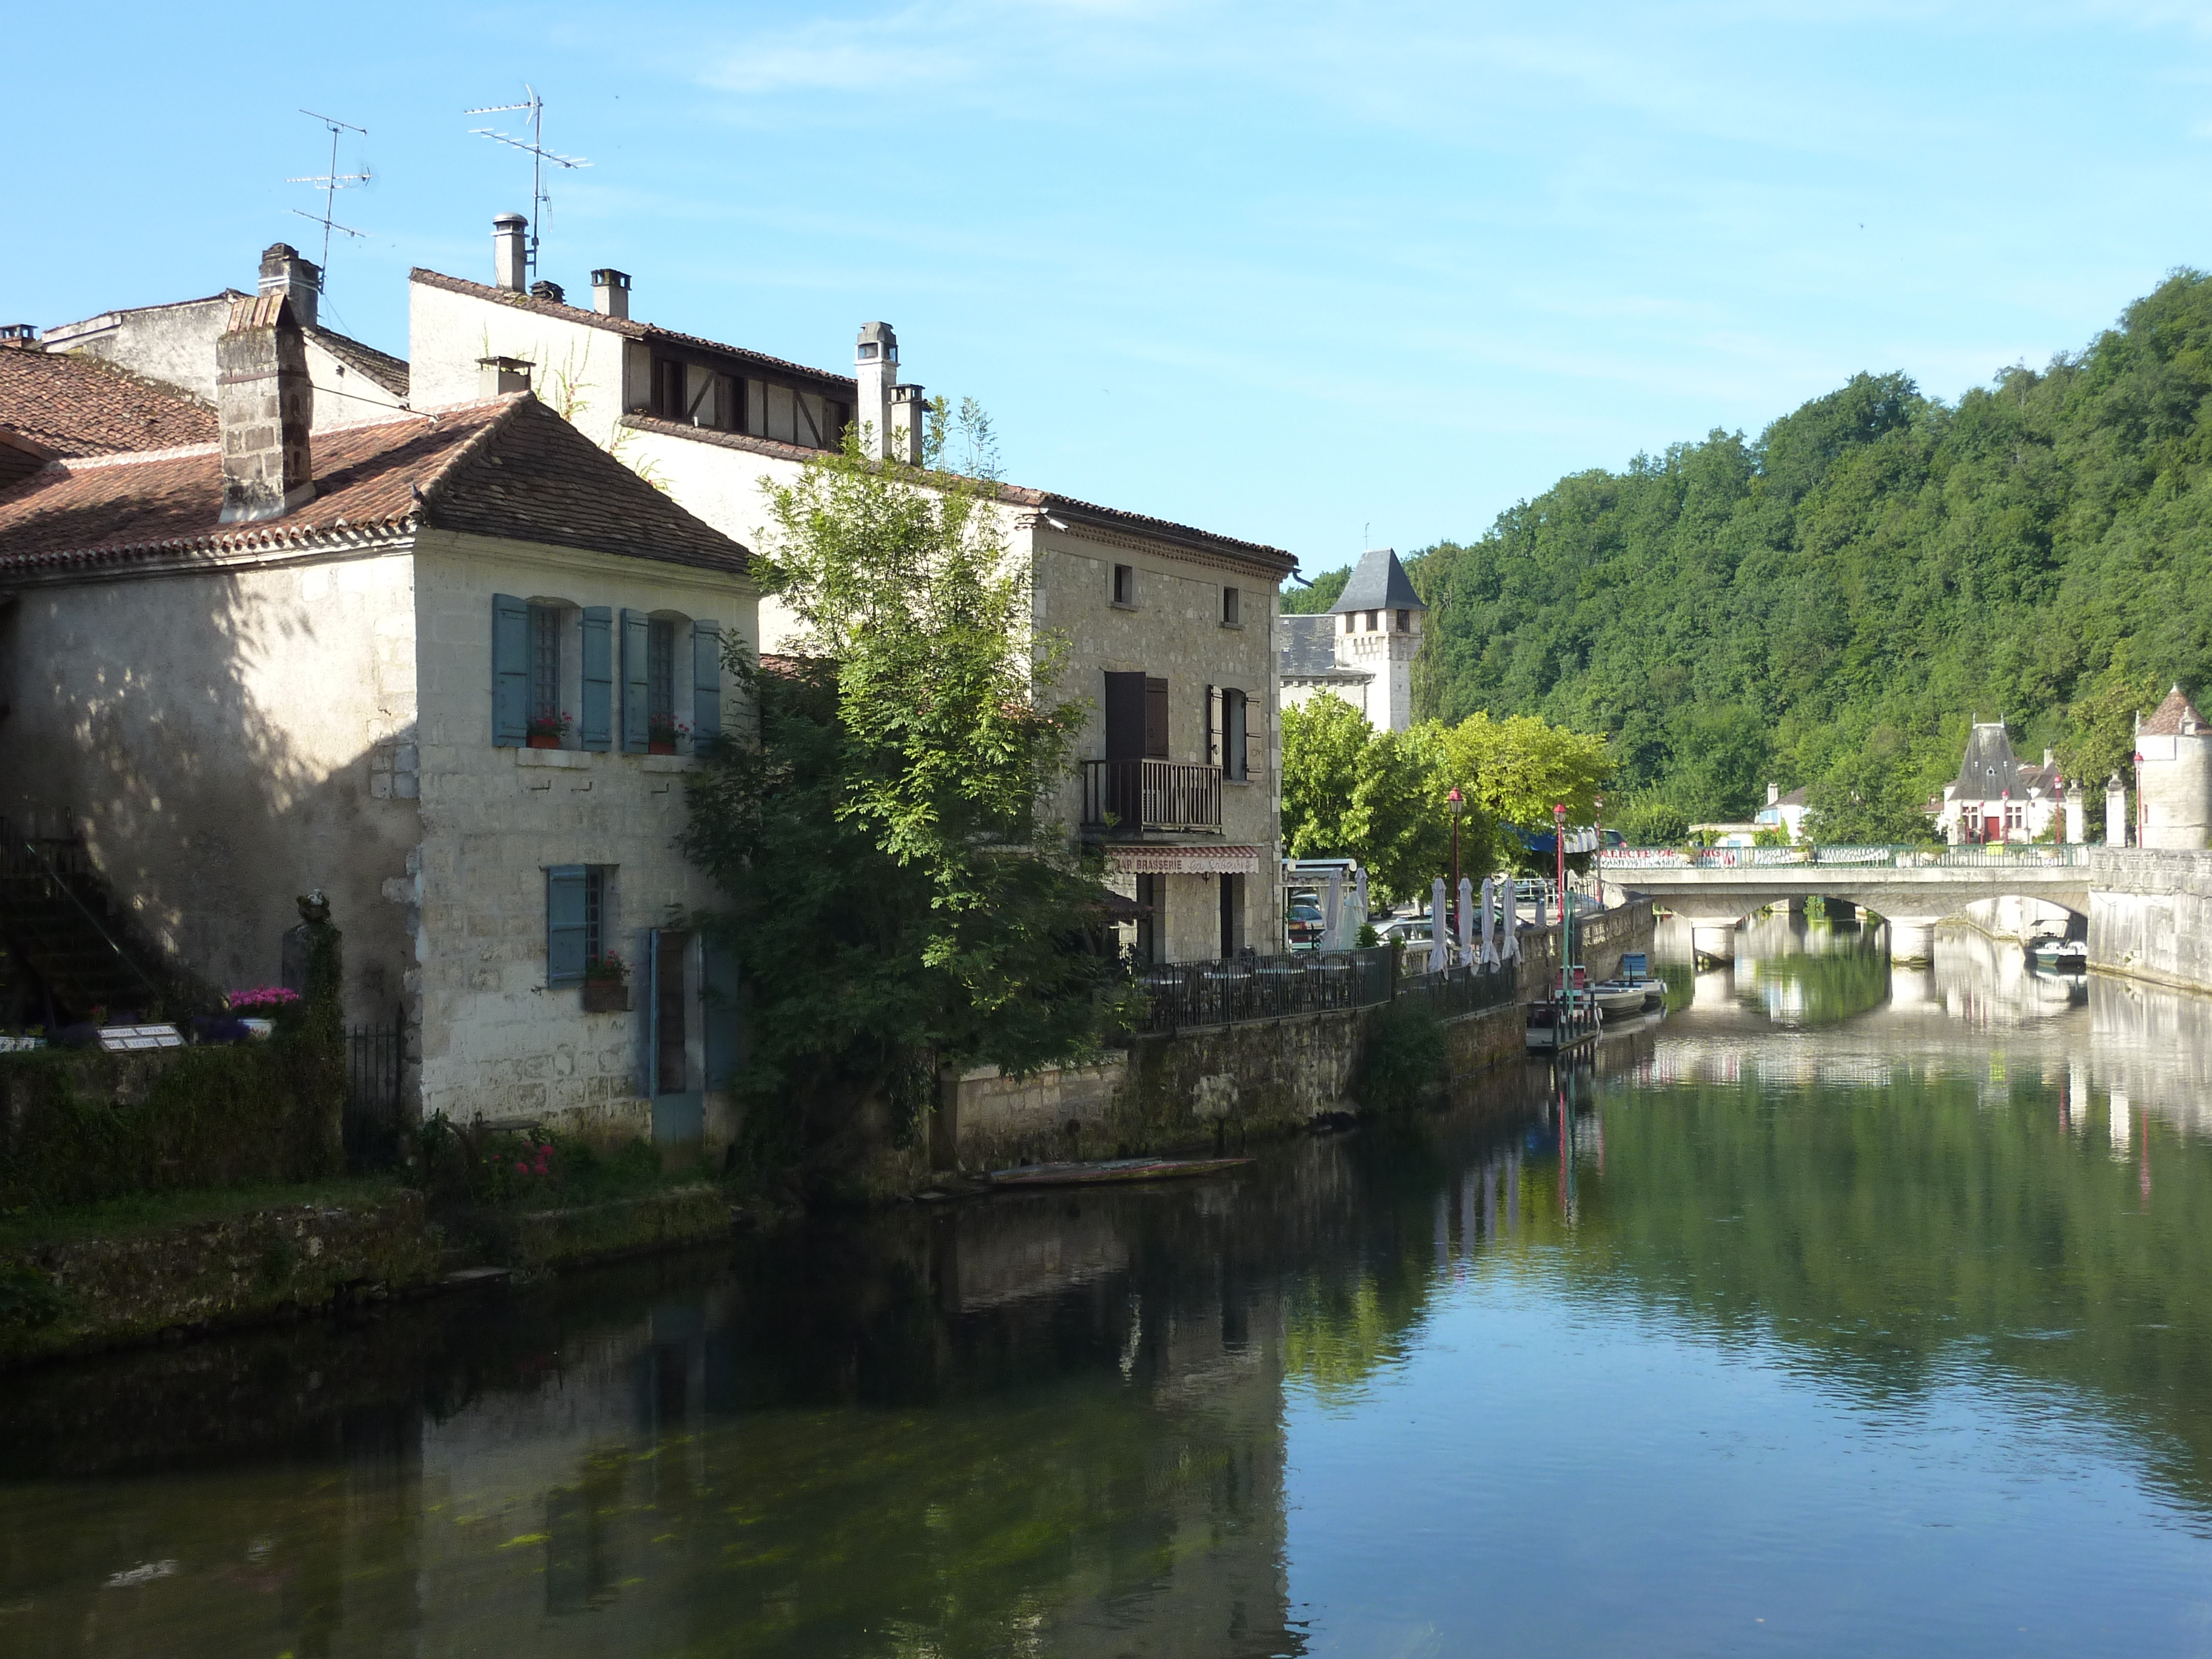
x=539, y=155
x=332, y=183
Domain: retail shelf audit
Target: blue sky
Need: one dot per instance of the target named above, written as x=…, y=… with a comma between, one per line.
x=1302, y=273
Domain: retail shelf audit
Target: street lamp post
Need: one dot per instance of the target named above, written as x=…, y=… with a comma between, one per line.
x=1597, y=857
x=1566, y=903
x=1457, y=803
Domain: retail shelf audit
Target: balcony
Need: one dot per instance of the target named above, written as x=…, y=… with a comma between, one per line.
x=1142, y=797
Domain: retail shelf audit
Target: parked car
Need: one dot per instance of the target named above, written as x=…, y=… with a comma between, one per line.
x=1408, y=930
x=1304, y=922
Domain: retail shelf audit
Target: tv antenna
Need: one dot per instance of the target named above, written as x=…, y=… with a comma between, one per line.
x=332, y=183
x=539, y=155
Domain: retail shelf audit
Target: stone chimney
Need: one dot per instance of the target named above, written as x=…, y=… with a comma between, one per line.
x=876, y=367
x=1773, y=794
x=909, y=416
x=301, y=281
x=498, y=376
x=611, y=292
x=20, y=335
x=265, y=406
x=510, y=251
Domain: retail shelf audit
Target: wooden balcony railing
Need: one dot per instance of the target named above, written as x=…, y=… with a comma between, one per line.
x=1138, y=795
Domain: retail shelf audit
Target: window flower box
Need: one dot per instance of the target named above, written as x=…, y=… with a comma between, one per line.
x=662, y=734
x=606, y=985
x=548, y=730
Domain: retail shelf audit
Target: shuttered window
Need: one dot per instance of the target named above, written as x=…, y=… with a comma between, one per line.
x=545, y=662
x=706, y=682
x=599, y=677
x=1235, y=709
x=510, y=670
x=660, y=670
x=575, y=896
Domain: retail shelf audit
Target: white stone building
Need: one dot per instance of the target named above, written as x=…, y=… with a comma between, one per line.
x=1997, y=798
x=1170, y=630
x=2173, y=776
x=1362, y=648
x=278, y=659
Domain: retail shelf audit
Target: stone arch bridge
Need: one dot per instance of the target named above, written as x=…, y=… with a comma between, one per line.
x=1911, y=888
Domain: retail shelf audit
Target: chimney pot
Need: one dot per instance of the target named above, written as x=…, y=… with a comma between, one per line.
x=909, y=414
x=19, y=334
x=510, y=251
x=496, y=377
x=611, y=292
x=875, y=367
x=264, y=409
x=301, y=281
x=1773, y=794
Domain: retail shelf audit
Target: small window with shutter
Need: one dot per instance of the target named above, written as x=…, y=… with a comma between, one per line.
x=1231, y=608
x=575, y=908
x=1235, y=738
x=1125, y=585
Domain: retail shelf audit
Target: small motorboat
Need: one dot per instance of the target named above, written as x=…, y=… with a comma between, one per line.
x=1616, y=999
x=2066, y=956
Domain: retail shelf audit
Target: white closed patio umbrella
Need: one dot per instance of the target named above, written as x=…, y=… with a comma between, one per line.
x=1509, y=942
x=1489, y=956
x=1332, y=913
x=1466, y=919
x=1437, y=945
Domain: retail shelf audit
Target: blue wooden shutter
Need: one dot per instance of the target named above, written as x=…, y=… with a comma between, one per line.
x=706, y=682
x=568, y=916
x=599, y=677
x=635, y=628
x=510, y=670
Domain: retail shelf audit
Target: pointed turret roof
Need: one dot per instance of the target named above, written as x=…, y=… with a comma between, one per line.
x=1379, y=583
x=2172, y=717
x=1988, y=766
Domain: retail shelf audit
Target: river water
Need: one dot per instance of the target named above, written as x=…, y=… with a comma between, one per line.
x=1870, y=1312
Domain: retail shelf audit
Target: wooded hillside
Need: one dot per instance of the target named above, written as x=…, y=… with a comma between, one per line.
x=1831, y=604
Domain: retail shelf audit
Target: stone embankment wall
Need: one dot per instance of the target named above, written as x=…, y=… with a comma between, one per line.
x=2150, y=915
x=1218, y=1085
x=75, y=1294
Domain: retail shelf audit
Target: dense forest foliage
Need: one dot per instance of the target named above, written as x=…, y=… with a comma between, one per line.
x=1831, y=603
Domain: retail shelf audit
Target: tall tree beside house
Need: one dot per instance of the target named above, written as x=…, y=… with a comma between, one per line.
x=1350, y=790
x=898, y=898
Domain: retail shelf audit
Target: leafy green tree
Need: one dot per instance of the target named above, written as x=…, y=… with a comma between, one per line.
x=1379, y=797
x=1868, y=799
x=897, y=893
x=1877, y=561
x=1517, y=769
x=1324, y=591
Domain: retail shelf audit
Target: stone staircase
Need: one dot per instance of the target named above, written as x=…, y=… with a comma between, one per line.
x=58, y=922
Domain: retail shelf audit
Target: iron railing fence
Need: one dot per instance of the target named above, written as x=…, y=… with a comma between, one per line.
x=1236, y=989
x=1151, y=794
x=1466, y=990
x=1974, y=856
x=376, y=1062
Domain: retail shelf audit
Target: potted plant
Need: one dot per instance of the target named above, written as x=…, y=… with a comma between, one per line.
x=547, y=731
x=606, y=984
x=662, y=732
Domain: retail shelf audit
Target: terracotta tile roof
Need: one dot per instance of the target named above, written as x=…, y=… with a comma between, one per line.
x=1136, y=524
x=2165, y=721
x=628, y=327
x=510, y=467
x=71, y=406
x=381, y=367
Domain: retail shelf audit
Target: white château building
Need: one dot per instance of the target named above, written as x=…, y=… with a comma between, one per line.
x=1362, y=648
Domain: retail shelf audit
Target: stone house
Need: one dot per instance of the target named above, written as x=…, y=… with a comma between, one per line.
x=1170, y=629
x=418, y=664
x=174, y=344
x=2173, y=776
x=1362, y=648
x=1997, y=798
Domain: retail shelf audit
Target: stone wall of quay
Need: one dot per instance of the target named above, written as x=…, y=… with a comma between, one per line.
x=2150, y=915
x=1201, y=1088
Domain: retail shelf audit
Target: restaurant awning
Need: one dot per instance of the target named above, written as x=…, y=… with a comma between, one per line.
x=1150, y=860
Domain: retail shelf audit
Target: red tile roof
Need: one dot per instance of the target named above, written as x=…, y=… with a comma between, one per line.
x=72, y=405
x=2166, y=720
x=510, y=467
x=629, y=328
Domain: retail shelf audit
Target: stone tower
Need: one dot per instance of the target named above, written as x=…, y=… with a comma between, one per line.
x=2174, y=771
x=1378, y=633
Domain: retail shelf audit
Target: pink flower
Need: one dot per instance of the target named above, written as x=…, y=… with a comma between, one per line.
x=522, y=1169
x=546, y=1151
